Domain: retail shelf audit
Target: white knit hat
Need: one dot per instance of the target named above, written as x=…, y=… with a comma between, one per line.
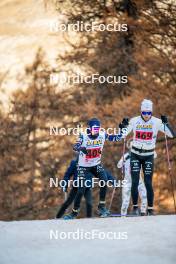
x=146, y=105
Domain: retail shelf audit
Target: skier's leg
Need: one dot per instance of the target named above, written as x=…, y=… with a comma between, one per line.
x=67, y=203
x=143, y=196
x=148, y=165
x=135, y=164
x=81, y=188
x=80, y=193
x=126, y=195
x=88, y=198
x=102, y=195
x=99, y=172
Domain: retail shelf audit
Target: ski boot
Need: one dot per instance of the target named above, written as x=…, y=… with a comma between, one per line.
x=150, y=212
x=135, y=211
x=142, y=212
x=143, y=209
x=123, y=212
x=103, y=211
x=71, y=216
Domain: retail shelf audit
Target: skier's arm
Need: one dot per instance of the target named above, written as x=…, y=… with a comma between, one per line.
x=118, y=136
x=69, y=172
x=129, y=128
x=110, y=178
x=165, y=127
x=77, y=146
x=120, y=162
x=155, y=155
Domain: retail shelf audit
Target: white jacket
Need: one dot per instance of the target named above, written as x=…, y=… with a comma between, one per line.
x=145, y=134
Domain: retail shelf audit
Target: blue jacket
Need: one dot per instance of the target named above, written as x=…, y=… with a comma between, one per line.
x=72, y=172
x=109, y=176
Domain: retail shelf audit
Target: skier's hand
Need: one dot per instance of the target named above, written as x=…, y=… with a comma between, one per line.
x=84, y=150
x=121, y=125
x=123, y=130
x=125, y=122
x=164, y=119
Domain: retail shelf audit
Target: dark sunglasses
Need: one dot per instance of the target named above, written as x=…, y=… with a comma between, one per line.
x=146, y=113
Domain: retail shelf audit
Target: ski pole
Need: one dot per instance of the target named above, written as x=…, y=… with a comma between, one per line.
x=65, y=196
x=126, y=123
x=112, y=198
x=113, y=193
x=123, y=157
x=169, y=167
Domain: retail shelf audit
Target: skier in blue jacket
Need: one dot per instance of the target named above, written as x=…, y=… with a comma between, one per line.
x=89, y=146
x=72, y=172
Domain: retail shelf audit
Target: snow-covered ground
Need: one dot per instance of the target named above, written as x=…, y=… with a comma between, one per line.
x=141, y=240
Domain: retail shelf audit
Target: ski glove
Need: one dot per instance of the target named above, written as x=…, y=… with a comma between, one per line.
x=164, y=119
x=125, y=122
x=84, y=150
x=121, y=126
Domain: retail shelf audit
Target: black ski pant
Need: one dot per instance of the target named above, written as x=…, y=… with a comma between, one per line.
x=70, y=199
x=147, y=164
x=99, y=172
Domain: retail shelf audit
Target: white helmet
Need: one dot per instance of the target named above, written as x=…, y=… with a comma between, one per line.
x=146, y=105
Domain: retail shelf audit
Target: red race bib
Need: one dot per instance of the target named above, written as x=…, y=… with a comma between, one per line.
x=144, y=135
x=93, y=153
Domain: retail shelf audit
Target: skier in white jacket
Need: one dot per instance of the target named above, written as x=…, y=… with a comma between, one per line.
x=126, y=189
x=145, y=128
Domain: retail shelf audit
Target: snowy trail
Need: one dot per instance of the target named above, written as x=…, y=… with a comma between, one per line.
x=149, y=240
